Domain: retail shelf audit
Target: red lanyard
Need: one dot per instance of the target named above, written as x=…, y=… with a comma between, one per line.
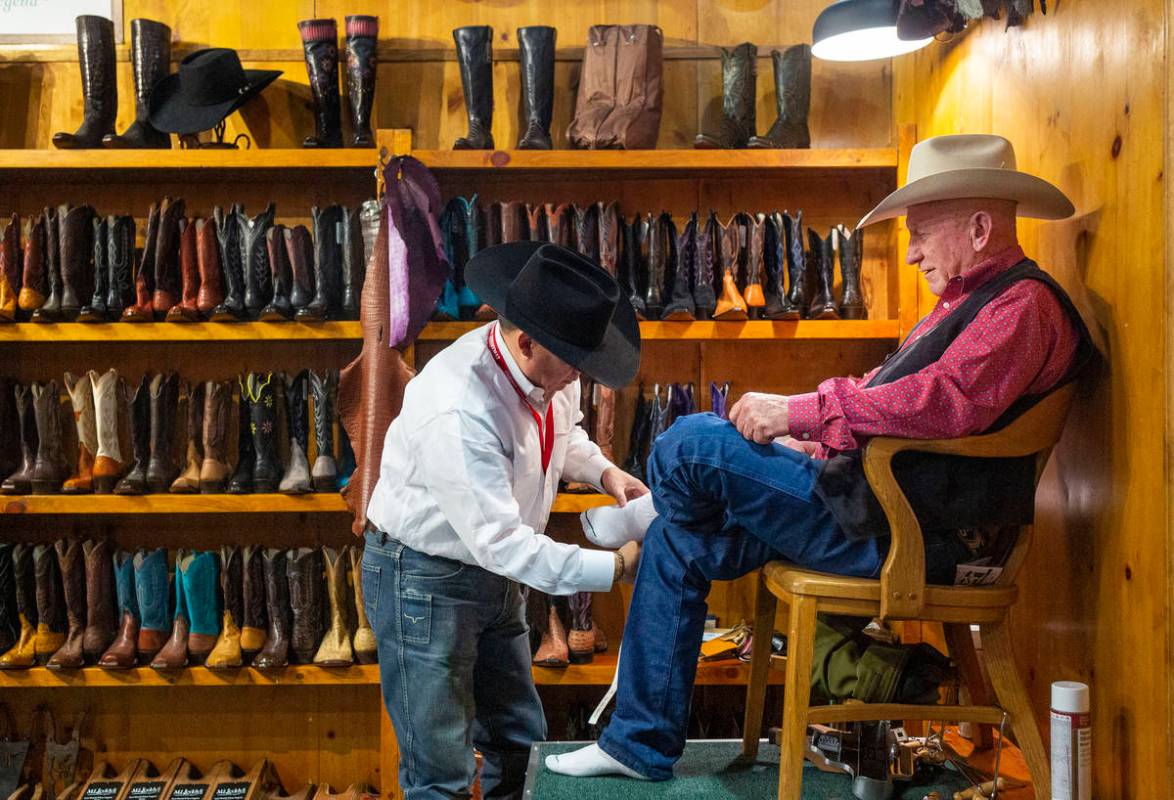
x=545, y=439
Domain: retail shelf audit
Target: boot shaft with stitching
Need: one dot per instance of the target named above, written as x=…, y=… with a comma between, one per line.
x=304, y=568
x=738, y=120
x=71, y=565
x=214, y=469
x=101, y=600
x=188, y=481
x=362, y=37
x=139, y=411
x=296, y=478
x=150, y=57
x=275, y=653
x=320, y=44
x=792, y=72
x=95, y=55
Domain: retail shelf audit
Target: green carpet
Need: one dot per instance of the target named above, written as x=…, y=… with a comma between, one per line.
x=709, y=769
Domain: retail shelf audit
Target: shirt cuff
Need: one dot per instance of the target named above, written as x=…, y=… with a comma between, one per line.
x=598, y=570
x=803, y=420
x=592, y=471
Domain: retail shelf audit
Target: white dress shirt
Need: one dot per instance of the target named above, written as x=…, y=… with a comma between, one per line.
x=461, y=472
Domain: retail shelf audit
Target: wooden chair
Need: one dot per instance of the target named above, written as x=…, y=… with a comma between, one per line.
x=902, y=594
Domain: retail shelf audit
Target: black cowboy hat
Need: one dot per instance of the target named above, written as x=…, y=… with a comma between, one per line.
x=568, y=304
x=209, y=86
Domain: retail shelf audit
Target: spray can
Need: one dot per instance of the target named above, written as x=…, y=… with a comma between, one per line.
x=1071, y=742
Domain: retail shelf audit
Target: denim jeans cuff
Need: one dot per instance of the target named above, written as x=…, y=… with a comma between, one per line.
x=622, y=756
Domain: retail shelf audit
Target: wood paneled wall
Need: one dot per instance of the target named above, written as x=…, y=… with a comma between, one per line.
x=1079, y=93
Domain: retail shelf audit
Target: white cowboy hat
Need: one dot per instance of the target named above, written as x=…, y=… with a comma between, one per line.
x=970, y=166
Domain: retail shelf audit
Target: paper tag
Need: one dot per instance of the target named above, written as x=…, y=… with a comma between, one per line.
x=146, y=790
x=189, y=791
x=231, y=791
x=971, y=575
x=102, y=791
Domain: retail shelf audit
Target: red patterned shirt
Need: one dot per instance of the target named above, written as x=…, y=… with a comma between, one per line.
x=1020, y=343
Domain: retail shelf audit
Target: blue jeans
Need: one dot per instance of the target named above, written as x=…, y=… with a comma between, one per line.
x=727, y=506
x=454, y=663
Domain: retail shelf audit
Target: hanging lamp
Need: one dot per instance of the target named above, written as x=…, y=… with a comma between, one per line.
x=860, y=30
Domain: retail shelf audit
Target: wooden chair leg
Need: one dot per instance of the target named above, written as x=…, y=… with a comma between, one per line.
x=1012, y=697
x=796, y=695
x=764, y=624
x=961, y=644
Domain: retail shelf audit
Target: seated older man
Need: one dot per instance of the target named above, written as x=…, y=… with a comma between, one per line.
x=782, y=479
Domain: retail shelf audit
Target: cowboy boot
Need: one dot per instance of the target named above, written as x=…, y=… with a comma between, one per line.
x=214, y=469
x=755, y=266
x=609, y=224
x=10, y=429
x=730, y=305
x=354, y=268
x=22, y=654
x=539, y=231
x=142, y=309
x=150, y=57
x=167, y=282
x=680, y=305
x=738, y=123
x=448, y=307
x=364, y=643
x=34, y=281
x=628, y=265
x=653, y=252
x=553, y=650
x=708, y=255
x=596, y=98
x=327, y=265
x=468, y=303
x=139, y=407
x=211, y=292
x=774, y=254
x=226, y=654
x=9, y=613
x=228, y=242
x=560, y=225
x=161, y=469
x=188, y=481
x=188, y=308
x=109, y=398
x=152, y=595
x=296, y=479
x=81, y=397
x=11, y=269
x=335, y=650
x=255, y=258
x=95, y=55
x=122, y=651
x=587, y=231
x=120, y=256
x=101, y=614
x=794, y=302
x=823, y=303
x=75, y=238
x=299, y=252
x=632, y=464
x=851, y=247
x=320, y=43
x=324, y=387
x=275, y=653
x=174, y=653
x=200, y=592
x=537, y=47
x=50, y=310
x=262, y=390
x=241, y=481
x=718, y=397
x=71, y=565
x=362, y=36
x=51, y=467
x=581, y=639
x=304, y=568
x=95, y=309
x=475, y=55
x=21, y=481
x=279, y=308
x=792, y=99
x=51, y=620
x=254, y=619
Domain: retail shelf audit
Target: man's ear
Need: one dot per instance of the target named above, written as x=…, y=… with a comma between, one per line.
x=981, y=226
x=525, y=344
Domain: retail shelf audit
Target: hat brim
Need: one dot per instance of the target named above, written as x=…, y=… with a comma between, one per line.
x=616, y=360
x=1036, y=197
x=171, y=114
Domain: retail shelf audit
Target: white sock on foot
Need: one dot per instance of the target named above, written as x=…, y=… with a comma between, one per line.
x=612, y=526
x=589, y=762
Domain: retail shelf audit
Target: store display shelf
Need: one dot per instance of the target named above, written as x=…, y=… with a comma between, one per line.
x=722, y=330
x=697, y=161
x=106, y=161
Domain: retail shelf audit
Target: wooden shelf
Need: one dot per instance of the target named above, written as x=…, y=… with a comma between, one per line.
x=257, y=159
x=219, y=503
x=722, y=331
x=704, y=161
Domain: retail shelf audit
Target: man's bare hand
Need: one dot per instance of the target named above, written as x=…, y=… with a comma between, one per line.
x=760, y=417
x=631, y=554
x=806, y=448
x=622, y=486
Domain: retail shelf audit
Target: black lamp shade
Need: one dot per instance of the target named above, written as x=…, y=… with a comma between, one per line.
x=860, y=30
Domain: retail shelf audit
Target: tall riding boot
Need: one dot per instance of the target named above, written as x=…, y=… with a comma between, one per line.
x=275, y=653
x=76, y=232
x=823, y=303
x=122, y=651
x=755, y=267
x=139, y=407
x=262, y=391
x=51, y=620
x=364, y=642
x=851, y=247
x=320, y=43
x=657, y=245
x=254, y=619
x=151, y=591
x=335, y=650
x=581, y=639
x=143, y=309
x=21, y=481
x=51, y=467
x=299, y=251
x=228, y=238
x=174, y=653
x=255, y=258
x=211, y=293
x=22, y=654
x=71, y=565
x=200, y=592
x=34, y=285
x=187, y=309
x=120, y=256
x=475, y=54
x=738, y=122
x=9, y=613
x=327, y=300
x=81, y=397
x=161, y=468
x=95, y=55
x=304, y=569
x=167, y=282
x=101, y=601
x=109, y=398
x=227, y=652
x=792, y=98
x=214, y=469
x=278, y=309
x=95, y=309
x=150, y=57
x=680, y=305
x=11, y=269
x=537, y=46
x=324, y=388
x=242, y=479
x=50, y=310
x=730, y=305
x=354, y=268
x=362, y=36
x=296, y=479
x=188, y=481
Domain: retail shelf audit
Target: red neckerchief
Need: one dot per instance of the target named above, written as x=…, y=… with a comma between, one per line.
x=545, y=439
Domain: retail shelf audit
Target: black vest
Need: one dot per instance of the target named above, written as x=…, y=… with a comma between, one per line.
x=949, y=492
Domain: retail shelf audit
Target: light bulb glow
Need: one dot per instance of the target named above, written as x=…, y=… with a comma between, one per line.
x=866, y=44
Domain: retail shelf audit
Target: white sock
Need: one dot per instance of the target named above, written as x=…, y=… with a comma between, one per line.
x=589, y=762
x=612, y=526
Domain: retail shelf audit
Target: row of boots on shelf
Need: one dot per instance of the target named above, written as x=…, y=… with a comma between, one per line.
x=72, y=263
x=33, y=451
x=657, y=411
x=74, y=604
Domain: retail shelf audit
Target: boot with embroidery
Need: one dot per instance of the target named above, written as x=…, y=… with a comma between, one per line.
x=296, y=479
x=275, y=653
x=324, y=388
x=304, y=568
x=211, y=293
x=320, y=43
x=200, y=592
x=755, y=267
x=214, y=469
x=50, y=309
x=362, y=38
x=51, y=617
x=255, y=259
x=161, y=468
x=81, y=397
x=34, y=284
x=335, y=649
x=94, y=309
x=101, y=600
x=823, y=254
x=143, y=309
x=792, y=99
x=263, y=405
x=153, y=596
x=11, y=269
x=228, y=251
x=680, y=304
x=738, y=122
x=730, y=304
x=174, y=653
x=120, y=256
x=51, y=467
x=851, y=247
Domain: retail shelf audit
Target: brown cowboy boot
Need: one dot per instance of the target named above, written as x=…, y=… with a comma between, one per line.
x=10, y=269
x=142, y=309
x=304, y=568
x=596, y=98
x=122, y=651
x=81, y=397
x=278, y=309
x=730, y=304
x=71, y=564
x=254, y=620
x=553, y=650
x=51, y=467
x=214, y=469
x=174, y=654
x=364, y=643
x=211, y=292
x=188, y=308
x=77, y=253
x=101, y=604
x=299, y=251
x=335, y=650
x=275, y=653
x=34, y=281
x=755, y=267
x=188, y=481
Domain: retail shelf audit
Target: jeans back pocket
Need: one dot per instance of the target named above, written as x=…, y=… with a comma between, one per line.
x=415, y=617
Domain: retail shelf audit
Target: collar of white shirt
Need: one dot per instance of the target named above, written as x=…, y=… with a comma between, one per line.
x=535, y=394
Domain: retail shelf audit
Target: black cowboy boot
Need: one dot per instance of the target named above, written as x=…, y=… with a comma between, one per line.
x=255, y=259
x=50, y=310
x=168, y=286
x=795, y=301
x=634, y=271
x=537, y=45
x=320, y=43
x=228, y=239
x=263, y=401
x=10, y=424
x=823, y=302
x=739, y=71
x=324, y=387
x=135, y=481
x=587, y=231
x=279, y=307
x=774, y=253
x=95, y=309
x=851, y=247
x=680, y=305
x=704, y=295
x=95, y=54
x=296, y=479
x=792, y=98
x=21, y=481
x=327, y=265
x=242, y=479
x=76, y=231
x=161, y=467
x=10, y=624
x=120, y=255
x=275, y=653
x=638, y=438
x=654, y=253
x=362, y=36
x=475, y=54
x=150, y=56
x=354, y=268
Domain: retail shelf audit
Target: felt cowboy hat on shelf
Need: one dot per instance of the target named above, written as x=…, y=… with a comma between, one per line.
x=964, y=166
x=566, y=303
x=210, y=85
